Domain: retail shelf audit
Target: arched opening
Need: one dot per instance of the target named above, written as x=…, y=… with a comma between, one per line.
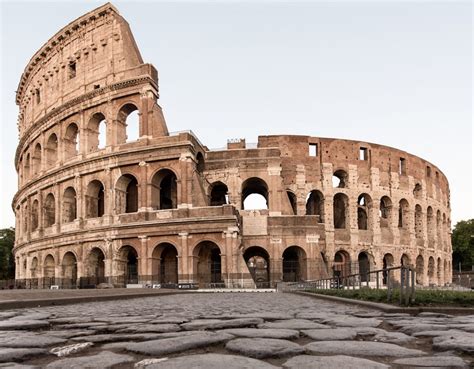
x=49, y=214
x=51, y=150
x=165, y=264
x=417, y=191
x=418, y=222
x=219, y=193
x=403, y=209
x=34, y=268
x=340, y=206
x=96, y=132
x=292, y=201
x=385, y=212
x=364, y=267
x=26, y=168
x=48, y=268
x=36, y=159
x=445, y=230
x=294, y=264
x=439, y=270
x=315, y=205
x=69, y=270
x=126, y=194
x=431, y=270
x=258, y=263
x=128, y=257
x=95, y=200
x=364, y=212
x=430, y=225
x=69, y=205
x=164, y=190
x=207, y=263
x=342, y=264
x=34, y=215
x=420, y=270
x=405, y=260
x=340, y=179
x=71, y=141
x=25, y=217
x=129, y=119
x=96, y=266
x=388, y=262
x=200, y=165
x=254, y=194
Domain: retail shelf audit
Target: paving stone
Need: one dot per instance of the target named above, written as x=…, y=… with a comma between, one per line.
x=70, y=333
x=203, y=324
x=166, y=346
x=437, y=333
x=8, y=354
x=368, y=314
x=351, y=321
x=432, y=362
x=169, y=320
x=294, y=324
x=104, y=359
x=32, y=316
x=414, y=328
x=211, y=361
x=154, y=328
x=100, y=338
x=70, y=349
x=260, y=348
x=6, y=325
x=393, y=337
x=433, y=314
x=331, y=362
x=7, y=314
x=263, y=315
x=362, y=348
x=463, y=342
x=263, y=333
x=27, y=339
x=18, y=366
x=334, y=334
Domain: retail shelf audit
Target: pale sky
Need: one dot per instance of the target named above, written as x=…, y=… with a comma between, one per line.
x=393, y=73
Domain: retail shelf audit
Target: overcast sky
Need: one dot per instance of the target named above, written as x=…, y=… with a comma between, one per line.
x=394, y=73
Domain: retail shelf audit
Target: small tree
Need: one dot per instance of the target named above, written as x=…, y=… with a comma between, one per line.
x=463, y=244
x=7, y=262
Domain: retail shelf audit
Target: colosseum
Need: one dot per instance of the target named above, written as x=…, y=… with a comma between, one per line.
x=107, y=194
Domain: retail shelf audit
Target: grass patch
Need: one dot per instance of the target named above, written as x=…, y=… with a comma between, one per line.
x=422, y=297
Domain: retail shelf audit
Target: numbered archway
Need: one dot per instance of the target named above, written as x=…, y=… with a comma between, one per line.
x=165, y=264
x=342, y=264
x=128, y=257
x=258, y=263
x=207, y=264
x=294, y=264
x=69, y=269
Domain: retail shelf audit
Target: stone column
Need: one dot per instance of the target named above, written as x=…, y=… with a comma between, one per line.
x=185, y=260
x=144, y=274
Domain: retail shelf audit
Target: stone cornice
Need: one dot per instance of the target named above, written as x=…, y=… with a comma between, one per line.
x=59, y=38
x=78, y=100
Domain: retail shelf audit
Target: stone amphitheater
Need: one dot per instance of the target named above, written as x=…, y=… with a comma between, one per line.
x=107, y=194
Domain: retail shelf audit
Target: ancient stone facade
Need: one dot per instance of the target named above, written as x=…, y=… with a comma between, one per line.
x=96, y=203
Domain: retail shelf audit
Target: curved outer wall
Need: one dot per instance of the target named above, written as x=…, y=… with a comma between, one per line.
x=163, y=208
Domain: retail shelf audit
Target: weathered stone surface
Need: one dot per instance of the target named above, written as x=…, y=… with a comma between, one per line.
x=294, y=324
x=260, y=348
x=393, y=337
x=71, y=349
x=460, y=342
x=28, y=339
x=17, y=324
x=432, y=362
x=178, y=344
x=211, y=361
x=18, y=366
x=262, y=333
x=352, y=321
x=414, y=328
x=362, y=348
x=32, y=316
x=152, y=328
x=203, y=324
x=330, y=334
x=98, y=338
x=8, y=354
x=331, y=362
x=105, y=359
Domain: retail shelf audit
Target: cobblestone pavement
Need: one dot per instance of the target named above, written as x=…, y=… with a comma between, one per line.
x=230, y=331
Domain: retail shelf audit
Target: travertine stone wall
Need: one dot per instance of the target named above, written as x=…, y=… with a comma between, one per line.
x=91, y=203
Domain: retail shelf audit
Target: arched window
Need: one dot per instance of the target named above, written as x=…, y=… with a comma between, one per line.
x=418, y=222
x=69, y=205
x=254, y=194
x=219, y=194
x=49, y=214
x=364, y=267
x=292, y=201
x=69, y=269
x=294, y=264
x=26, y=170
x=315, y=205
x=95, y=199
x=340, y=211
x=430, y=226
x=128, y=257
x=200, y=165
x=95, y=266
x=342, y=264
x=52, y=150
x=48, y=266
x=129, y=117
x=385, y=212
x=96, y=133
x=340, y=179
x=207, y=258
x=420, y=270
x=36, y=160
x=126, y=194
x=34, y=215
x=388, y=262
x=71, y=141
x=417, y=191
x=364, y=212
x=165, y=264
x=164, y=190
x=403, y=210
x=258, y=263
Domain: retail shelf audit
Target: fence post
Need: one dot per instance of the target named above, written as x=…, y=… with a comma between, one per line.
x=377, y=279
x=389, y=287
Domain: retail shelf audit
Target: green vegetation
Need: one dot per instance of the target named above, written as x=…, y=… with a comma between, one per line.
x=422, y=297
x=463, y=244
x=7, y=264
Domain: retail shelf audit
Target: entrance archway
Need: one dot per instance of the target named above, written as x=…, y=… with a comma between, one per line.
x=129, y=259
x=342, y=264
x=165, y=264
x=258, y=263
x=364, y=267
x=207, y=256
x=388, y=262
x=420, y=270
x=96, y=266
x=69, y=270
x=294, y=264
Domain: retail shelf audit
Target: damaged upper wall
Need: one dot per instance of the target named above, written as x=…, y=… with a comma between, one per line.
x=93, y=51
